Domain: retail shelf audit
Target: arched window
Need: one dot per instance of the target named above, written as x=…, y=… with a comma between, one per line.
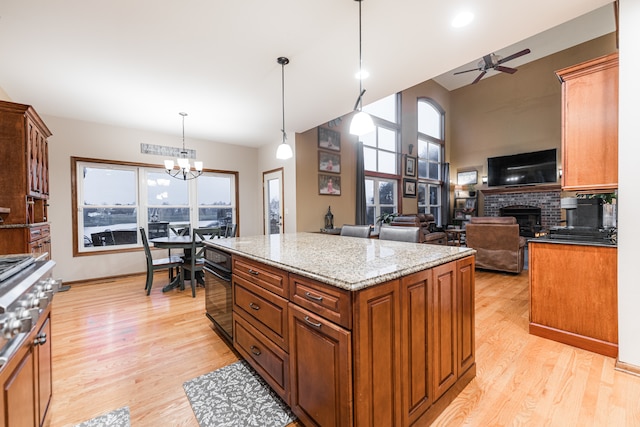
x=430, y=157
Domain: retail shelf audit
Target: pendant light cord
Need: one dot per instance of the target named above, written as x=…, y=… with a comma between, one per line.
x=283, y=61
x=360, y=44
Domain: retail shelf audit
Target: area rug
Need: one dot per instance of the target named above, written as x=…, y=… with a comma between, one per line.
x=117, y=418
x=236, y=396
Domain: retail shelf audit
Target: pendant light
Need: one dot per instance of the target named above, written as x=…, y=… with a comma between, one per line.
x=284, y=150
x=361, y=123
x=183, y=168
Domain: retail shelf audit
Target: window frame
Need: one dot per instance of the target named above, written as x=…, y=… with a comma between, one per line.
x=141, y=205
x=376, y=197
x=428, y=182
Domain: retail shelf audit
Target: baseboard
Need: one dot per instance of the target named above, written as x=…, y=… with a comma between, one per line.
x=587, y=343
x=627, y=368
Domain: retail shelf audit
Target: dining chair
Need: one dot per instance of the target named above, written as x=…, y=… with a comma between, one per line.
x=156, y=264
x=230, y=230
x=400, y=234
x=195, y=262
x=355, y=231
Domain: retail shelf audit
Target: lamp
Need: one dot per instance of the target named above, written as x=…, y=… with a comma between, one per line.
x=361, y=123
x=284, y=150
x=183, y=168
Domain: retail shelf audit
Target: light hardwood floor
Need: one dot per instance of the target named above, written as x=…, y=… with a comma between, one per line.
x=113, y=346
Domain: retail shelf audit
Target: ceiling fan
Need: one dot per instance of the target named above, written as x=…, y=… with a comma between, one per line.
x=493, y=61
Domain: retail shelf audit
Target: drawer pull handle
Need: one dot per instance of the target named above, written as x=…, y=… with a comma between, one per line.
x=255, y=273
x=308, y=320
x=254, y=306
x=255, y=350
x=313, y=297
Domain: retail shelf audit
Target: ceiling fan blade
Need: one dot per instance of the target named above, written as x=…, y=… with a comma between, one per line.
x=514, y=56
x=466, y=71
x=505, y=69
x=481, y=75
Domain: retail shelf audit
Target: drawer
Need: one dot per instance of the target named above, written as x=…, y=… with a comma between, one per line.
x=262, y=275
x=269, y=360
x=39, y=232
x=266, y=311
x=332, y=303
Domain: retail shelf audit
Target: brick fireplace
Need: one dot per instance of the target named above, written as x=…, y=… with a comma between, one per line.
x=546, y=198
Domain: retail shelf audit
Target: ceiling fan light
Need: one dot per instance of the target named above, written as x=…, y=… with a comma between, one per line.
x=361, y=124
x=284, y=151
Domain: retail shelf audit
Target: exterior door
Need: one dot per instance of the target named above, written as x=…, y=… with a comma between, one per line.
x=273, y=185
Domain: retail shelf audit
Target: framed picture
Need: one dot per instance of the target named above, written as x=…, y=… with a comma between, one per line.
x=329, y=184
x=328, y=139
x=409, y=187
x=468, y=177
x=328, y=162
x=410, y=166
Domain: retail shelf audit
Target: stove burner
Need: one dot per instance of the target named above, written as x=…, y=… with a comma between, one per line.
x=13, y=264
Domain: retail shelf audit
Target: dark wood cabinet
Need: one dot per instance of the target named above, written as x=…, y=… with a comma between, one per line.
x=26, y=380
x=590, y=125
x=25, y=192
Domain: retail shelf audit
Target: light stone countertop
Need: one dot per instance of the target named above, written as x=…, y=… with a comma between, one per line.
x=349, y=263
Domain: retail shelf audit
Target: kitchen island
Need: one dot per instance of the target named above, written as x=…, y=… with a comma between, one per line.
x=352, y=331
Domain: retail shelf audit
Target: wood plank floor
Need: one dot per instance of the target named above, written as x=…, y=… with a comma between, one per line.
x=113, y=346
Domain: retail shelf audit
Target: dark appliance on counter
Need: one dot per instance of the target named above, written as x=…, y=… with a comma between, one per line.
x=26, y=290
x=217, y=290
x=584, y=222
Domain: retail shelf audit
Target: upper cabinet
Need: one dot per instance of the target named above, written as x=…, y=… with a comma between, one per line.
x=590, y=125
x=24, y=146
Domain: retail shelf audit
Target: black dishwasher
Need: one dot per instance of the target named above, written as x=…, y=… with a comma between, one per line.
x=217, y=290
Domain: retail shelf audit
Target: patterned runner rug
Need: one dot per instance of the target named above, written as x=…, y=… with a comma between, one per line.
x=116, y=418
x=236, y=395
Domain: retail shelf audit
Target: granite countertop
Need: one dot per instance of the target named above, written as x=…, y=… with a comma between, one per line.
x=349, y=263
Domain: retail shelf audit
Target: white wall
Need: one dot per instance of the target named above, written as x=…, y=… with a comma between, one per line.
x=91, y=140
x=629, y=208
x=267, y=161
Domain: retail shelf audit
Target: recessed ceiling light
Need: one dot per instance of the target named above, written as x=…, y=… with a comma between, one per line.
x=462, y=19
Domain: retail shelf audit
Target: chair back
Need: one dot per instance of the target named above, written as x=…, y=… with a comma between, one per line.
x=230, y=230
x=200, y=235
x=180, y=229
x=147, y=249
x=400, y=234
x=355, y=231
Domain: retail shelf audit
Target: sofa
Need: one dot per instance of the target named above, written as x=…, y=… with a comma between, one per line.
x=498, y=243
x=425, y=222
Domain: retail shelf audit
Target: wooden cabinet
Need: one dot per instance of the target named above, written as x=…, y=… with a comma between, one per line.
x=25, y=192
x=26, y=380
x=590, y=125
x=396, y=353
x=574, y=295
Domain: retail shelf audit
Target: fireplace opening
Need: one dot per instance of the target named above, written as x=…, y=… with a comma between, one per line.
x=528, y=218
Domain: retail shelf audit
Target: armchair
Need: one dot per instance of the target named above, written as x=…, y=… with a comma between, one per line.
x=424, y=221
x=497, y=242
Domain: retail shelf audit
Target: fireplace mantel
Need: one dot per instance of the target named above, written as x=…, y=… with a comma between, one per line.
x=521, y=189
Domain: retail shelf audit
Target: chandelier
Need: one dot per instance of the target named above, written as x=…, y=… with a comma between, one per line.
x=182, y=169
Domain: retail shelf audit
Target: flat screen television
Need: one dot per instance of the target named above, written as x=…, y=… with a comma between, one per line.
x=523, y=169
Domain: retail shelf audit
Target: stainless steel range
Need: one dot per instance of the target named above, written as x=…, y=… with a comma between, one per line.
x=26, y=289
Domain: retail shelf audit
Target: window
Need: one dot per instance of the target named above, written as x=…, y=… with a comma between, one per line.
x=382, y=196
x=381, y=145
x=113, y=200
x=430, y=158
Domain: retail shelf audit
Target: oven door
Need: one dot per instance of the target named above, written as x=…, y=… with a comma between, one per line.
x=218, y=299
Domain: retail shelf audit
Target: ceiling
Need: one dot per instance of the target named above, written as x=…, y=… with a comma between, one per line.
x=134, y=64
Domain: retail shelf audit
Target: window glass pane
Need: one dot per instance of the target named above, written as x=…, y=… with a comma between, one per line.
x=164, y=190
x=214, y=217
x=422, y=194
x=423, y=149
x=370, y=163
x=422, y=168
x=368, y=189
x=108, y=186
x=386, y=162
x=434, y=152
x=386, y=193
x=384, y=108
x=371, y=215
x=172, y=215
x=386, y=139
x=214, y=190
x=434, y=171
x=429, y=120
x=434, y=195
x=369, y=139
x=109, y=226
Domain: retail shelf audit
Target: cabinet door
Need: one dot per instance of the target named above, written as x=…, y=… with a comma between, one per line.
x=590, y=125
x=19, y=395
x=445, y=327
x=417, y=345
x=43, y=358
x=466, y=313
x=320, y=361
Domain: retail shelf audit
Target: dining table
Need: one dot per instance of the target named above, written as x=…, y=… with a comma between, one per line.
x=177, y=242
